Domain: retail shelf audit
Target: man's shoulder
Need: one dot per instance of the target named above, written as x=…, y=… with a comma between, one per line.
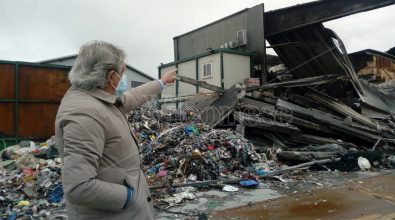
x=76, y=101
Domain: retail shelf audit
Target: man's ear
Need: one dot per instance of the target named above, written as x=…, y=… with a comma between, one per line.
x=110, y=75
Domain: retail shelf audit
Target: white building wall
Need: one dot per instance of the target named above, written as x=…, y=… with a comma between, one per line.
x=215, y=60
x=187, y=69
x=236, y=69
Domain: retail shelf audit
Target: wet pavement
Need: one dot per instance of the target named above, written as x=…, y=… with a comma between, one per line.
x=256, y=203
x=356, y=198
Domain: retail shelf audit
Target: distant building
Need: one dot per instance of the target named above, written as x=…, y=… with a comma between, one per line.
x=135, y=77
x=230, y=49
x=241, y=31
x=374, y=65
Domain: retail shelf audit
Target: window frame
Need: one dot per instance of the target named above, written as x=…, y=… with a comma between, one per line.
x=205, y=65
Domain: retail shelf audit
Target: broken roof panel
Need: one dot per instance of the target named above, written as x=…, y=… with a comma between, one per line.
x=321, y=52
x=288, y=18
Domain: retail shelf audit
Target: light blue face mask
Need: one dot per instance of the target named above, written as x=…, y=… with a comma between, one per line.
x=122, y=85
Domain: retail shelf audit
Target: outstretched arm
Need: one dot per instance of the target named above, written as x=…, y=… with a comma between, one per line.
x=141, y=94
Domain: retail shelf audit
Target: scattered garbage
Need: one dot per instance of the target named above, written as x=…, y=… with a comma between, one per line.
x=30, y=184
x=186, y=151
x=186, y=193
x=190, y=150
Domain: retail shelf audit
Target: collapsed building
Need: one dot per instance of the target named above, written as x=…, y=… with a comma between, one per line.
x=318, y=99
x=375, y=66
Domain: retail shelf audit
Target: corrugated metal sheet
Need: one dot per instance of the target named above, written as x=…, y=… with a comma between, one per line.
x=199, y=101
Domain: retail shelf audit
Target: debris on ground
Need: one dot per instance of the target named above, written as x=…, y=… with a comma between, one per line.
x=189, y=151
x=30, y=181
x=320, y=113
x=182, y=155
x=266, y=133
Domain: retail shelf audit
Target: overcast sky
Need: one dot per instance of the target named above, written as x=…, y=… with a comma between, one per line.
x=34, y=30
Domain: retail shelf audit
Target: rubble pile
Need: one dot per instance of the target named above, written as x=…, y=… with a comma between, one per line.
x=30, y=182
x=305, y=123
x=387, y=90
x=308, y=119
x=315, y=107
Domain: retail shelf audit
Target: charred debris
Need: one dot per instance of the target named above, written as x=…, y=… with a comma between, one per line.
x=316, y=109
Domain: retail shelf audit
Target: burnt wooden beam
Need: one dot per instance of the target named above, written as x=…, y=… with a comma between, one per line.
x=341, y=108
x=329, y=121
x=313, y=139
x=275, y=140
x=268, y=110
x=304, y=156
x=316, y=80
x=266, y=124
x=337, y=106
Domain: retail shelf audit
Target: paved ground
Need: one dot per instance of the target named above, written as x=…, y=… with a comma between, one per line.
x=372, y=198
x=304, y=195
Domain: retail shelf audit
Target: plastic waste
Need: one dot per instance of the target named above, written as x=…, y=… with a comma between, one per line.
x=56, y=194
x=23, y=203
x=188, y=130
x=249, y=183
x=260, y=172
x=364, y=163
x=154, y=169
x=178, y=197
x=229, y=188
x=211, y=147
x=162, y=173
x=192, y=177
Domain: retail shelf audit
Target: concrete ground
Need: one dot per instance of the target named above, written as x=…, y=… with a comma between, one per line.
x=303, y=195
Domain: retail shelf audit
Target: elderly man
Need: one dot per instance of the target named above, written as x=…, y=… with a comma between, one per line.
x=102, y=178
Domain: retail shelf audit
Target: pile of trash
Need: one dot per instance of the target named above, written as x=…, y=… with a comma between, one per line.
x=30, y=181
x=182, y=152
x=189, y=150
x=181, y=155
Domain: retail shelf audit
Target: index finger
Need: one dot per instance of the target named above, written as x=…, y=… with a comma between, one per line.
x=172, y=71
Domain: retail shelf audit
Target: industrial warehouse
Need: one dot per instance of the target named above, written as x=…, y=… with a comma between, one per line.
x=224, y=131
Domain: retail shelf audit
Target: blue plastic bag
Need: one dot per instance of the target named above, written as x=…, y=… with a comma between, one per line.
x=249, y=183
x=56, y=194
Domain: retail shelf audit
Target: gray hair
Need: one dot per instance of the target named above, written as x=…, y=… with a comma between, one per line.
x=94, y=61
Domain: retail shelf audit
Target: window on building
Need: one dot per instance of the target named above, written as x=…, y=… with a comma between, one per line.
x=207, y=73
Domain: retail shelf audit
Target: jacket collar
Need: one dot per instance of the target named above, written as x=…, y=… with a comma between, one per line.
x=100, y=94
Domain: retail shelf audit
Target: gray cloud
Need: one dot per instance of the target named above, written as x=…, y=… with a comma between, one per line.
x=33, y=30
